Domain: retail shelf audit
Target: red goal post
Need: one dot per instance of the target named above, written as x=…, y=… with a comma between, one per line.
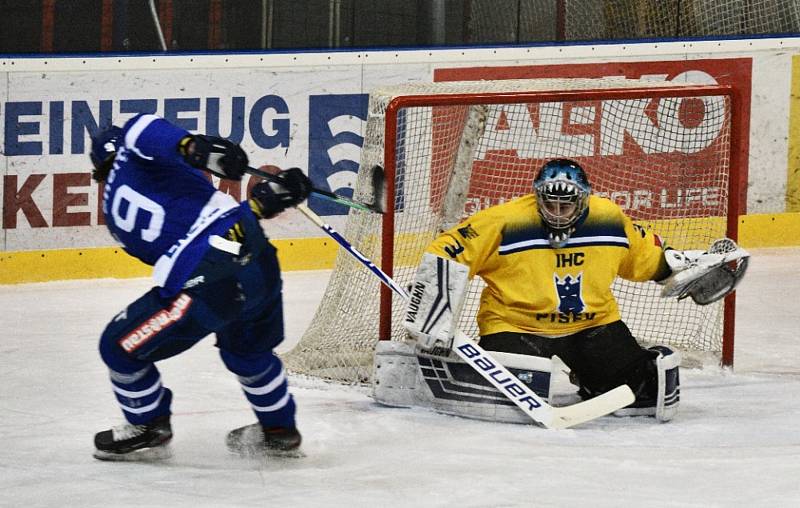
x=667, y=153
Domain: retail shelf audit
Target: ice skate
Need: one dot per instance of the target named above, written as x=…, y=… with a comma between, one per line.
x=130, y=442
x=255, y=440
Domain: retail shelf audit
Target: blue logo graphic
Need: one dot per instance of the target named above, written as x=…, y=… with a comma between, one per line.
x=569, y=294
x=335, y=131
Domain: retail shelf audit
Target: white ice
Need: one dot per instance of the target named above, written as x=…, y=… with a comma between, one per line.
x=735, y=441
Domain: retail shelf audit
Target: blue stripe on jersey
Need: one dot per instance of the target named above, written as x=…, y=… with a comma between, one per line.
x=589, y=241
x=601, y=229
x=153, y=139
x=174, y=266
x=137, y=126
x=522, y=233
x=587, y=235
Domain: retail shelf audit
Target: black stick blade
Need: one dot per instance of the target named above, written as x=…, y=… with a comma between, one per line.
x=379, y=189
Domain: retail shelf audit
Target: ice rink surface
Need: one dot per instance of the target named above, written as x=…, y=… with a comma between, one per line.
x=735, y=441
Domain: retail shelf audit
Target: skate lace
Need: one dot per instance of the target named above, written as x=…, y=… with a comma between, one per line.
x=127, y=431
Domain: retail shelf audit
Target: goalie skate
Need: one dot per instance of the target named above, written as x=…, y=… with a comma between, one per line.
x=256, y=441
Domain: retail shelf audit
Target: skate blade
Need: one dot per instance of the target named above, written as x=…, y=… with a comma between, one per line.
x=153, y=454
x=259, y=451
x=297, y=453
x=248, y=442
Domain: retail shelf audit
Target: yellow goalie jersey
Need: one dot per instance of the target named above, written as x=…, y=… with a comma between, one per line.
x=532, y=287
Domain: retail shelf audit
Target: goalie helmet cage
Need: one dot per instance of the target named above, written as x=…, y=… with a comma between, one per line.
x=666, y=152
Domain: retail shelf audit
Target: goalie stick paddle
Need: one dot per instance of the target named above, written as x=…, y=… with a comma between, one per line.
x=495, y=373
x=378, y=185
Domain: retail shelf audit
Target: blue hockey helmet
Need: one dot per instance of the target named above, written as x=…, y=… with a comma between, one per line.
x=562, y=197
x=105, y=144
x=104, y=147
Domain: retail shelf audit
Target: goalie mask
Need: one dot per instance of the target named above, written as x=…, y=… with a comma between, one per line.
x=104, y=147
x=562, y=198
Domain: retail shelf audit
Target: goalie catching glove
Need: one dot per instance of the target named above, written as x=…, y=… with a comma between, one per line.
x=436, y=297
x=705, y=276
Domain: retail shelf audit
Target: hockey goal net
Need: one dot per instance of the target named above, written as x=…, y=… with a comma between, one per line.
x=663, y=151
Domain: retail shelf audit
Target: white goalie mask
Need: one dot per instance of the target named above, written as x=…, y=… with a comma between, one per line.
x=562, y=197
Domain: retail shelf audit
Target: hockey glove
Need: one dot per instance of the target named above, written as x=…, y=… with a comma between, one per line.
x=269, y=198
x=220, y=156
x=705, y=276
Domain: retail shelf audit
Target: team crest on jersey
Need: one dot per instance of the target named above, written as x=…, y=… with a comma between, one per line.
x=568, y=289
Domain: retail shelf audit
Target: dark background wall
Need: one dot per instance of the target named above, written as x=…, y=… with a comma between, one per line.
x=81, y=26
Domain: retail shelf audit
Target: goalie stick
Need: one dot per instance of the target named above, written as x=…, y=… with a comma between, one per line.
x=378, y=185
x=482, y=362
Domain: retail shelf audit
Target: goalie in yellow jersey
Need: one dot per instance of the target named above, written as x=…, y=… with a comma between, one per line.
x=548, y=260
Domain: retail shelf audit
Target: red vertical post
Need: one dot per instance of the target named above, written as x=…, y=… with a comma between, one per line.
x=48, y=24
x=165, y=15
x=107, y=26
x=561, y=20
x=738, y=161
x=214, y=24
x=387, y=229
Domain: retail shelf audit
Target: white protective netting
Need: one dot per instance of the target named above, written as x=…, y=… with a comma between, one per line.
x=664, y=157
x=493, y=21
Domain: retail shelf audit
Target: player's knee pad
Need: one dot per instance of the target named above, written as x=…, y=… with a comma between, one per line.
x=113, y=355
x=251, y=364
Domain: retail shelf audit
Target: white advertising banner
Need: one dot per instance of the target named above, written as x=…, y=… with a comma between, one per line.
x=309, y=111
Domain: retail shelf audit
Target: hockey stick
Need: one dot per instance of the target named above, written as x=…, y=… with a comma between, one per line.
x=378, y=185
x=506, y=383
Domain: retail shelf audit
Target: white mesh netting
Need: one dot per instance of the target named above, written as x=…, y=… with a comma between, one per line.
x=664, y=157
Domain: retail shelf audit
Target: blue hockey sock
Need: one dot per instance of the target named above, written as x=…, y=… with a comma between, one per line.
x=140, y=395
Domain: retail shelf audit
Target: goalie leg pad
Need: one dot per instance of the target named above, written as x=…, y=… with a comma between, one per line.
x=664, y=406
x=436, y=297
x=406, y=377
x=669, y=385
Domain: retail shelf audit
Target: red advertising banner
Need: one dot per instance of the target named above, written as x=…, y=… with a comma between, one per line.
x=646, y=140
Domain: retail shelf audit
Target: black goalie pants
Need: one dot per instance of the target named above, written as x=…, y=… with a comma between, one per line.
x=599, y=358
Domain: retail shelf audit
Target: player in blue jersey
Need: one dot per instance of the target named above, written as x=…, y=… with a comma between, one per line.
x=214, y=271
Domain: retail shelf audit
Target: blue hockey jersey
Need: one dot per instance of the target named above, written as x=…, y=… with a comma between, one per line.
x=161, y=210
